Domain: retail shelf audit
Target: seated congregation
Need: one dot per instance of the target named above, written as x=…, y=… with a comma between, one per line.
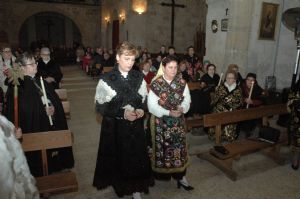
x=158, y=94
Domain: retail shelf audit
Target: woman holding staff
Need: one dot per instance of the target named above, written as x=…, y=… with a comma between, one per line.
x=33, y=114
x=252, y=97
x=252, y=92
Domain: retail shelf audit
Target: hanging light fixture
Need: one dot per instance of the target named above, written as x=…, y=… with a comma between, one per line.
x=139, y=6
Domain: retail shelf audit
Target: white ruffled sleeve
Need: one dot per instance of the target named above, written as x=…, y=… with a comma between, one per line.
x=143, y=90
x=104, y=93
x=185, y=104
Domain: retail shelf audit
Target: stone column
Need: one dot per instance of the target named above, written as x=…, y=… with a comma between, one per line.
x=31, y=30
x=239, y=29
x=68, y=32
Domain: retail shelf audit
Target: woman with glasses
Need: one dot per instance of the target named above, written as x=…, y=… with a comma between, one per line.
x=6, y=61
x=34, y=116
x=49, y=69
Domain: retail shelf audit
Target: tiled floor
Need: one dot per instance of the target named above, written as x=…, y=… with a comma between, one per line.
x=259, y=178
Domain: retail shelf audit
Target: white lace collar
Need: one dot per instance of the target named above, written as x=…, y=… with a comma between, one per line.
x=231, y=87
x=124, y=74
x=145, y=73
x=169, y=81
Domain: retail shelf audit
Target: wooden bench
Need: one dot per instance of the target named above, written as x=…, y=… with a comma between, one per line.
x=242, y=147
x=53, y=183
x=194, y=122
x=62, y=94
x=107, y=69
x=66, y=107
x=194, y=86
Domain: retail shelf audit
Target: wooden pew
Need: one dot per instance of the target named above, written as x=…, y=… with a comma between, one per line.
x=66, y=106
x=242, y=147
x=53, y=183
x=107, y=69
x=62, y=94
x=195, y=122
x=194, y=86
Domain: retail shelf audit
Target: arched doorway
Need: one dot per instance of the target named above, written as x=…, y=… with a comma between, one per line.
x=49, y=28
x=3, y=37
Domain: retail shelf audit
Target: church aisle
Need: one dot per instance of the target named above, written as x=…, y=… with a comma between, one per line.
x=258, y=176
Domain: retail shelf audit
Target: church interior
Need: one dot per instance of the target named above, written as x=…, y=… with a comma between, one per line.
x=260, y=38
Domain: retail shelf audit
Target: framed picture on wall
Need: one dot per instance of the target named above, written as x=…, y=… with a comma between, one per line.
x=224, y=24
x=268, y=21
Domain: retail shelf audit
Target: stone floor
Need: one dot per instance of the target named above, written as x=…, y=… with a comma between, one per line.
x=258, y=177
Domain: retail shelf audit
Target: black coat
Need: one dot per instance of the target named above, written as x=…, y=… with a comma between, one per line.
x=122, y=160
x=51, y=69
x=33, y=118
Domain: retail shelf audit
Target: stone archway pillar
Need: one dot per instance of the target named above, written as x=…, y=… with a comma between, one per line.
x=31, y=30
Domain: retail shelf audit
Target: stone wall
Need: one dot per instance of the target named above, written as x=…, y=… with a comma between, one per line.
x=87, y=18
x=242, y=46
x=153, y=28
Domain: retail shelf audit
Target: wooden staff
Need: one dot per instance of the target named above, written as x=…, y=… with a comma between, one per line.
x=15, y=74
x=220, y=80
x=46, y=100
x=16, y=107
x=251, y=89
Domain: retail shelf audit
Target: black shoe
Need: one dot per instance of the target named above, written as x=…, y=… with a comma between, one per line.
x=295, y=167
x=187, y=188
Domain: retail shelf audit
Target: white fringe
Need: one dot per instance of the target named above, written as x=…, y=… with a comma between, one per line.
x=16, y=182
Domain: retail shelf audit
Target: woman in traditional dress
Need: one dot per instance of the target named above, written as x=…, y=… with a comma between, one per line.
x=123, y=161
x=168, y=99
x=234, y=67
x=293, y=106
x=227, y=97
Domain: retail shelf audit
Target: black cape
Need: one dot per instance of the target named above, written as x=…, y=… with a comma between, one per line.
x=122, y=161
x=51, y=69
x=33, y=118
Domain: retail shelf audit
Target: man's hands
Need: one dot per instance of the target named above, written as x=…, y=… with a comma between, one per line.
x=49, y=79
x=176, y=113
x=50, y=110
x=18, y=133
x=133, y=115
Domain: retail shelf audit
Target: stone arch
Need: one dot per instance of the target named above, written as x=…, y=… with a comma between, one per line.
x=31, y=12
x=49, y=13
x=3, y=37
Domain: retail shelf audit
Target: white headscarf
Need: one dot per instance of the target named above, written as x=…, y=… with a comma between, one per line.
x=160, y=72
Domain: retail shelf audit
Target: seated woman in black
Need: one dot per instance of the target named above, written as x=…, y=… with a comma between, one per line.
x=208, y=83
x=254, y=100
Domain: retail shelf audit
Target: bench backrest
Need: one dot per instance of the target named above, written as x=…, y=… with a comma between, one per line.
x=222, y=118
x=107, y=69
x=194, y=86
x=42, y=141
x=66, y=107
x=46, y=140
x=62, y=94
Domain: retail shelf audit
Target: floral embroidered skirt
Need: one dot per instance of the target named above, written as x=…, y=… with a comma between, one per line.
x=169, y=146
